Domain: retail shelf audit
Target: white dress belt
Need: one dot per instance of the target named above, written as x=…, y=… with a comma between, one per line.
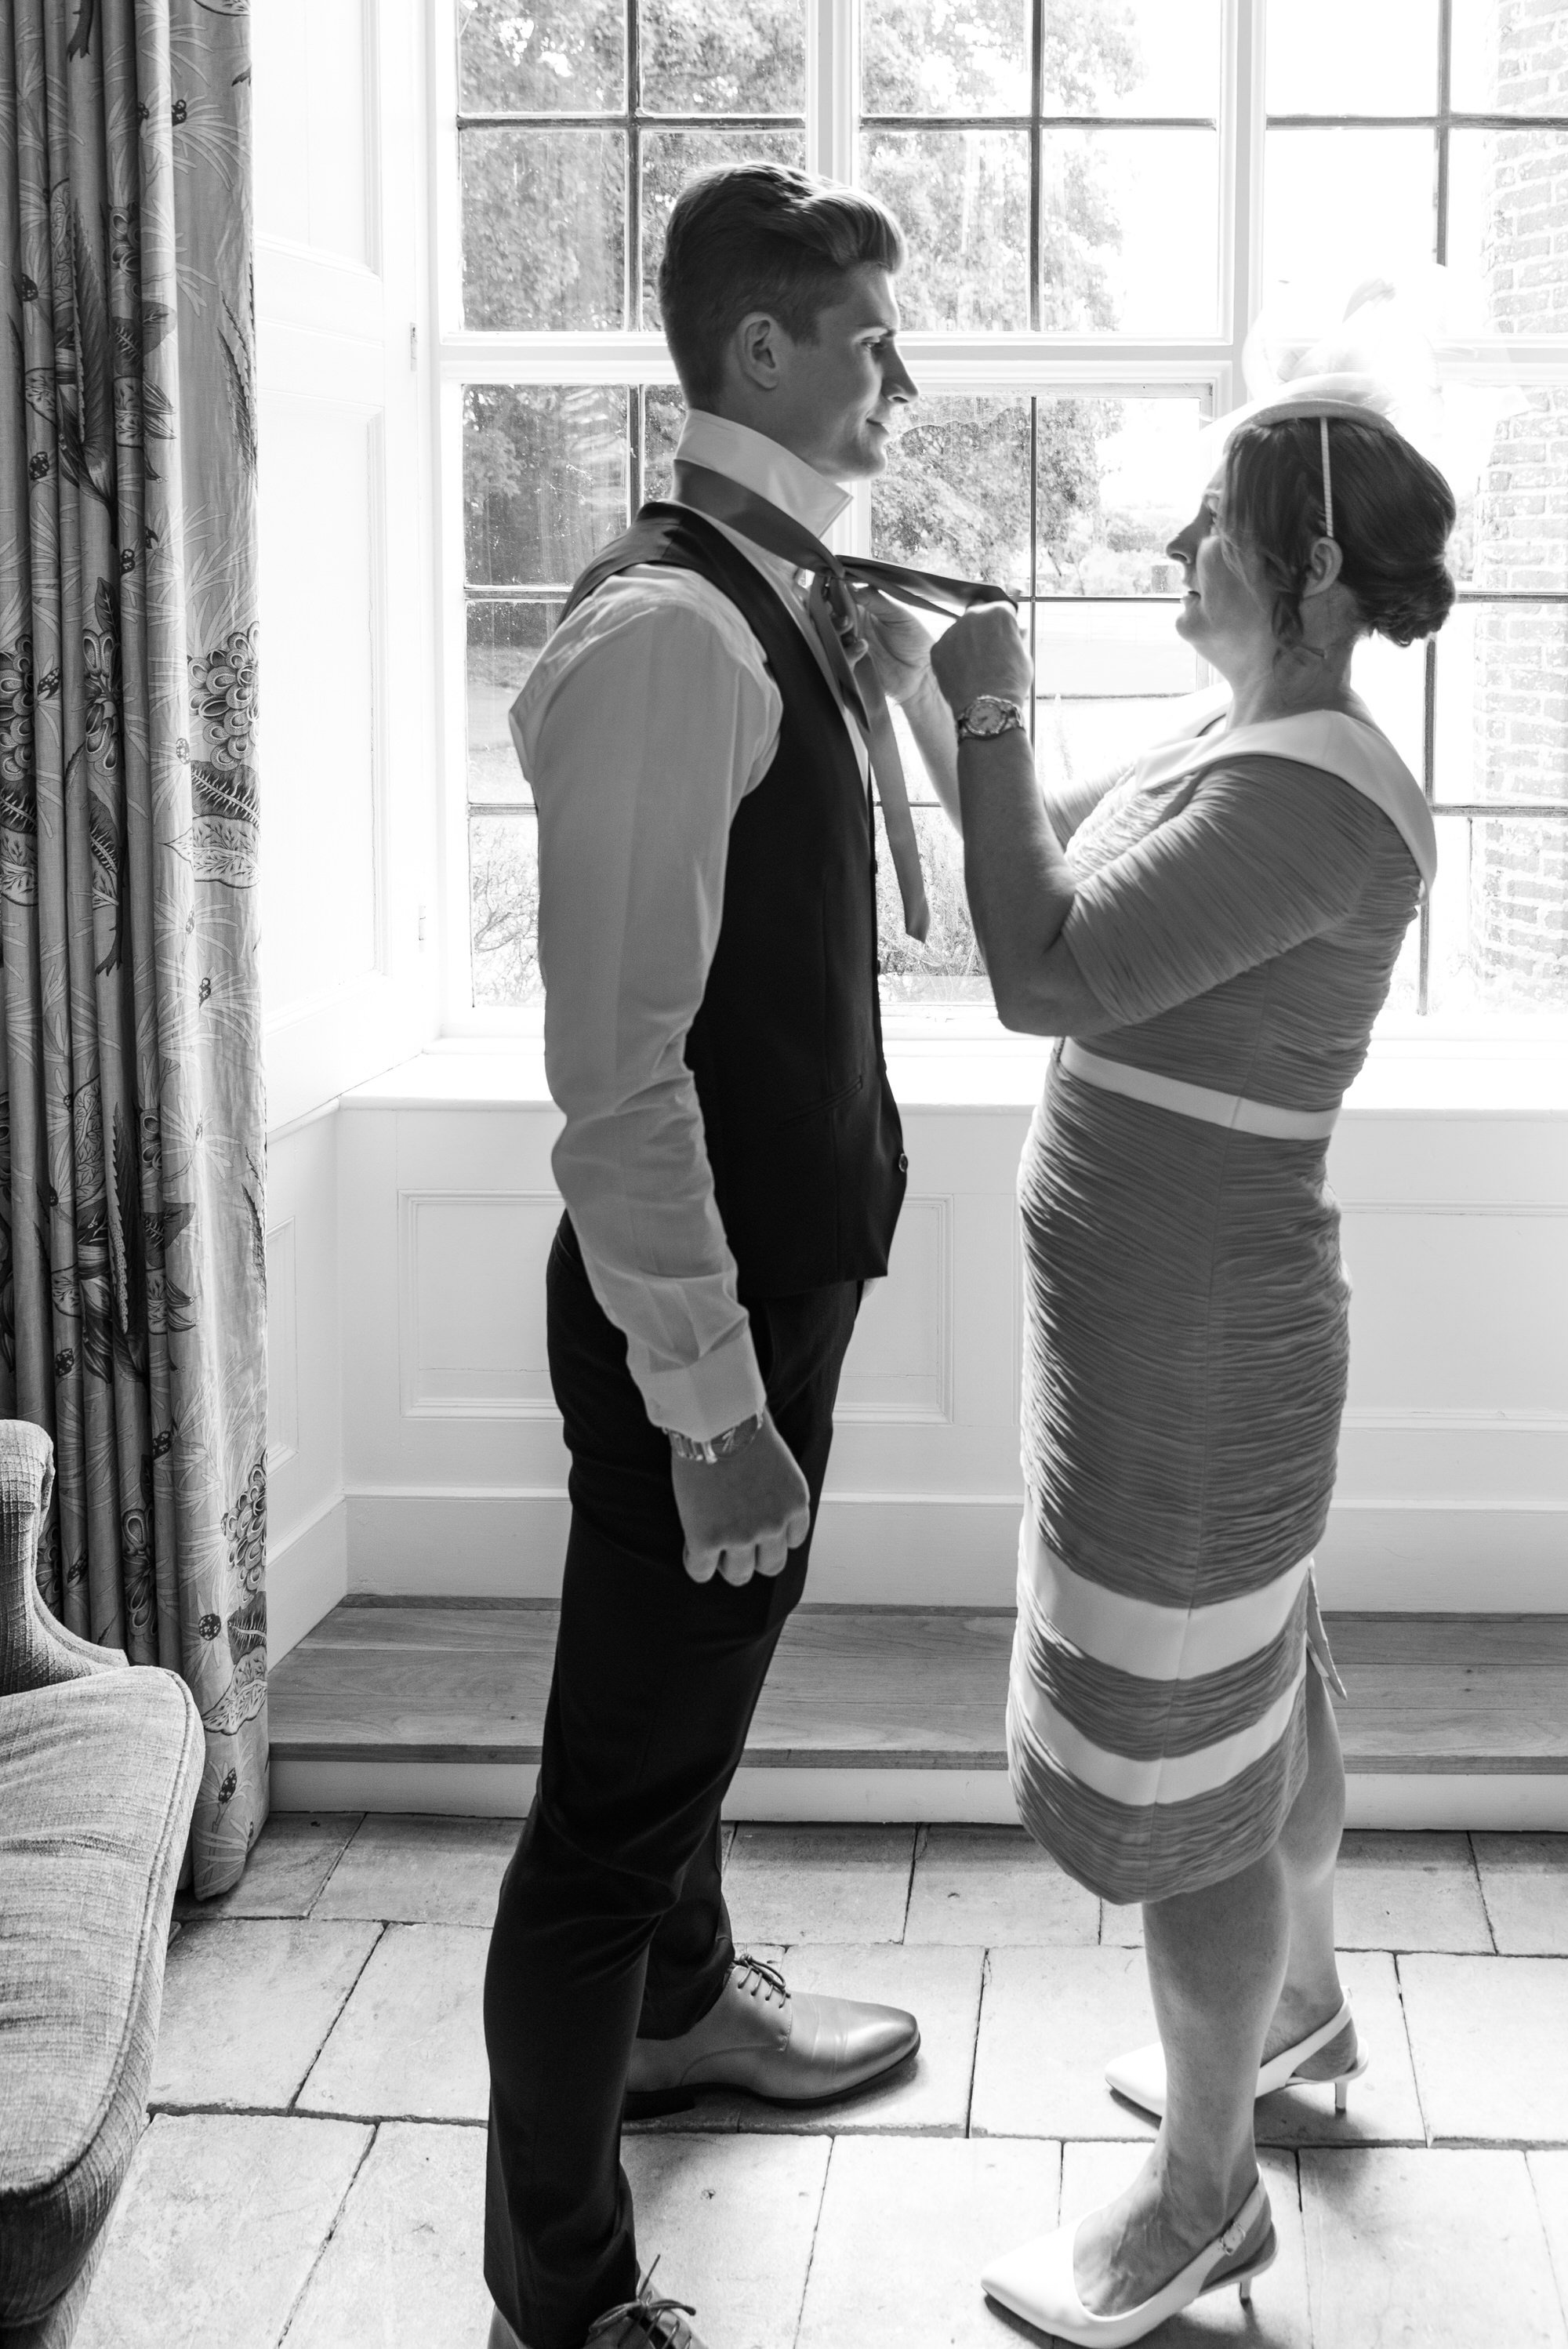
x=1233, y=1110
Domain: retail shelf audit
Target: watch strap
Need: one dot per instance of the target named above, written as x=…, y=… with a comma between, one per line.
x=712, y=1448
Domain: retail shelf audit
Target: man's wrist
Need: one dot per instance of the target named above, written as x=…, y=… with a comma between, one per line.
x=712, y=1448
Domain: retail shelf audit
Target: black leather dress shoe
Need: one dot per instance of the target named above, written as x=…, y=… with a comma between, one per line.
x=644, y=2324
x=640, y=2323
x=785, y=2050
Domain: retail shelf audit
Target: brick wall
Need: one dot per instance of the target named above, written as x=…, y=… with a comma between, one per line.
x=1518, y=870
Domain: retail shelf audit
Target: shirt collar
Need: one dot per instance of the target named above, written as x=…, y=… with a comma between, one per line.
x=766, y=466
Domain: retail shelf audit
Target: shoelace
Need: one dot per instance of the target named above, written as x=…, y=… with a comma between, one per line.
x=746, y=1966
x=659, y=2318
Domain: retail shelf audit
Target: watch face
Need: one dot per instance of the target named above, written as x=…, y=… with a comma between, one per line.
x=989, y=714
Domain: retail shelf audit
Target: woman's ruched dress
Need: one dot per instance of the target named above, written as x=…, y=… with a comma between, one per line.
x=1238, y=914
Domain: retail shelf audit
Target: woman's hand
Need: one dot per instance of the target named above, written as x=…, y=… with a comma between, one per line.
x=983, y=653
x=900, y=648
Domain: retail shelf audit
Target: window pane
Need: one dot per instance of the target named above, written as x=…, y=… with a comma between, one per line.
x=541, y=56
x=1149, y=487
x=1512, y=533
x=955, y=496
x=1508, y=61
x=1113, y=652
x=1502, y=703
x=1116, y=483
x=544, y=479
x=931, y=57
x=1392, y=681
x=1341, y=57
x=946, y=969
x=503, y=901
x=1507, y=212
x=1130, y=231
x=1321, y=191
x=1499, y=918
x=1147, y=57
x=504, y=642
x=543, y=228
x=670, y=159
x=1107, y=677
x=664, y=414
x=744, y=56
x=963, y=197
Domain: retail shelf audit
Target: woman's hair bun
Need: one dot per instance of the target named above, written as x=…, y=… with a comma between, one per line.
x=1418, y=610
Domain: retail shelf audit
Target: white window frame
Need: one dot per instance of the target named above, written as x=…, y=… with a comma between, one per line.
x=1208, y=365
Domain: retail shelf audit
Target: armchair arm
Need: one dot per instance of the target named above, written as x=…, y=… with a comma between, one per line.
x=35, y=1650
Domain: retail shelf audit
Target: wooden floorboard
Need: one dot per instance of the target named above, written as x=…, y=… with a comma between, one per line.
x=895, y=1688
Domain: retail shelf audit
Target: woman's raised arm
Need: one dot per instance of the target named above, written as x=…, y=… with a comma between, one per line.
x=1019, y=884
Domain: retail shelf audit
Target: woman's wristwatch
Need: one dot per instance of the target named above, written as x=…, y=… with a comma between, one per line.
x=722, y=1447
x=988, y=715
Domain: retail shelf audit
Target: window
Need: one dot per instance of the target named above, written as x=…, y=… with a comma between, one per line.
x=1099, y=196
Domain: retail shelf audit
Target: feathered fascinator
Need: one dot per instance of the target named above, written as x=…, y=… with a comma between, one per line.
x=1377, y=367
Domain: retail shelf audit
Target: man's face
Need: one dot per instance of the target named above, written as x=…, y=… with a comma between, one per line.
x=837, y=397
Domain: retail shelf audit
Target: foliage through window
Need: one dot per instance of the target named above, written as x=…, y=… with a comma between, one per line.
x=1058, y=167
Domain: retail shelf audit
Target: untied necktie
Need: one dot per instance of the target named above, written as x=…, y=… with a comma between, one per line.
x=835, y=619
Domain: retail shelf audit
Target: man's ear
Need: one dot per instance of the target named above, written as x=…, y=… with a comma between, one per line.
x=758, y=349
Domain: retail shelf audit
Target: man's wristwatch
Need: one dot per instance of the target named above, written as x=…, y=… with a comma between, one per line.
x=987, y=715
x=722, y=1447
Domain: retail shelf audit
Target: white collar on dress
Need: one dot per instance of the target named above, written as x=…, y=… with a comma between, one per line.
x=766, y=466
x=1347, y=747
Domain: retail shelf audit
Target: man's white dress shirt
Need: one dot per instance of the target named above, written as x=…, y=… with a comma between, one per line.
x=648, y=717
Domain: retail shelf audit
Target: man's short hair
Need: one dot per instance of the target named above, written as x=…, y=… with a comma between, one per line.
x=757, y=236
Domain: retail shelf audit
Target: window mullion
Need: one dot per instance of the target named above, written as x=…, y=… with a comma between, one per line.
x=832, y=89
x=1242, y=178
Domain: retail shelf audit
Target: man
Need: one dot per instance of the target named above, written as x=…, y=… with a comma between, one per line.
x=732, y=1168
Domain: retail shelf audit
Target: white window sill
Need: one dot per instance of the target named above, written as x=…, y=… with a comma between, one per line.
x=966, y=1060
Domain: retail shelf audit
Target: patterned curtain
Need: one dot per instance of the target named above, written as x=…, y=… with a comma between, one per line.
x=132, y=1277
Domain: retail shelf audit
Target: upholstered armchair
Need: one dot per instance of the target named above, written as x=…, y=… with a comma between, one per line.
x=98, y=1772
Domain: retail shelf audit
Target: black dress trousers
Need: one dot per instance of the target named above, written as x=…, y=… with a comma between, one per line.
x=612, y=1919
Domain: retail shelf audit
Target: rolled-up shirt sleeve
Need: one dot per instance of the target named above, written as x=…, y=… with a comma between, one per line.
x=647, y=719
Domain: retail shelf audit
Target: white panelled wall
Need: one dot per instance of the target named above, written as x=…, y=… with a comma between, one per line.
x=1454, y=1480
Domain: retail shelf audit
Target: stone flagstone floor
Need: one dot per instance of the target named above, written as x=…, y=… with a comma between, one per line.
x=312, y=2172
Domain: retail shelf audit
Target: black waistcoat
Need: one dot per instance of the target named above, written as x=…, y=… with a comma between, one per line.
x=802, y=1129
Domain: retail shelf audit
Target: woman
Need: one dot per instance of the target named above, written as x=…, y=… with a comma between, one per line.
x=1214, y=946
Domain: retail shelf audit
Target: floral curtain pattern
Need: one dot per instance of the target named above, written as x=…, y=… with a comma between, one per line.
x=132, y=1153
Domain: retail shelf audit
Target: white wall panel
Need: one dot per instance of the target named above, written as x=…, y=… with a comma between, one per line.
x=307, y=1552
x=347, y=610
x=472, y=1340
x=320, y=495
x=1459, y=1311
x=900, y=1363
x=282, y=1347
x=1453, y=1488
x=315, y=145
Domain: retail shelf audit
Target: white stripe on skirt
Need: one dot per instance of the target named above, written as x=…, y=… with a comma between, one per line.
x=1133, y=1635
x=1175, y=1778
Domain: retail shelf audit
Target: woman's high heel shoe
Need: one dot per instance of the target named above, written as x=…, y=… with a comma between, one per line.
x=1037, y=2283
x=1140, y=2077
